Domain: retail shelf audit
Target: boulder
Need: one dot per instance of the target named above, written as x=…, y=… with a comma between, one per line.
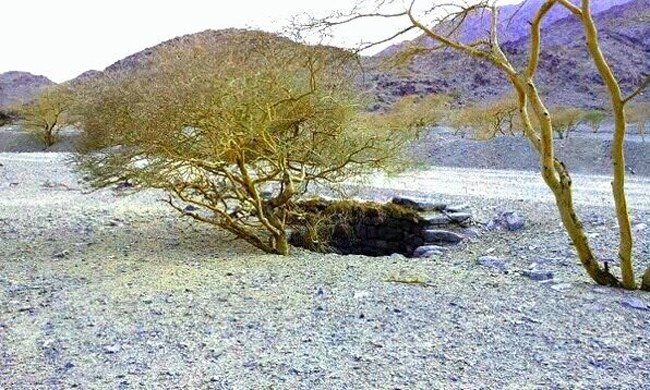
x=418, y=204
x=437, y=220
x=441, y=236
x=507, y=220
x=428, y=251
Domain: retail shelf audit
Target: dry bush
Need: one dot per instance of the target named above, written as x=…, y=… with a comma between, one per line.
x=566, y=120
x=639, y=114
x=46, y=114
x=594, y=119
x=487, y=121
x=238, y=129
x=414, y=112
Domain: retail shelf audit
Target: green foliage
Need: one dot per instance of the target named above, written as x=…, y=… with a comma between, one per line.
x=240, y=129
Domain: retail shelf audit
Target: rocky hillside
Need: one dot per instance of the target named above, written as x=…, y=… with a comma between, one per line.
x=512, y=23
x=207, y=38
x=566, y=75
x=16, y=87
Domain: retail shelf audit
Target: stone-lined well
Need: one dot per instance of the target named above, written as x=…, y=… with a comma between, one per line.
x=406, y=226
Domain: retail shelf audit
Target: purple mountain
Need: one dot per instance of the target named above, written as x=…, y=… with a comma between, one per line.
x=18, y=87
x=513, y=22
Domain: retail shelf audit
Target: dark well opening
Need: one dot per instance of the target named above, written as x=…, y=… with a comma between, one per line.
x=405, y=226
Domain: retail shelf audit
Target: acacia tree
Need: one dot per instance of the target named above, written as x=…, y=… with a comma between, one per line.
x=488, y=120
x=554, y=171
x=565, y=120
x=238, y=129
x=46, y=114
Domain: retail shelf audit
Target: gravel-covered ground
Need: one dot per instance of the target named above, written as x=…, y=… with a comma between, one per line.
x=583, y=152
x=98, y=291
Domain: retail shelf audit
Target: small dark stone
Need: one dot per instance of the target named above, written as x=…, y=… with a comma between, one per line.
x=189, y=208
x=634, y=303
x=493, y=262
x=538, y=275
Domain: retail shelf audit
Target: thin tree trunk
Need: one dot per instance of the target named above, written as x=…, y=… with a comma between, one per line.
x=618, y=154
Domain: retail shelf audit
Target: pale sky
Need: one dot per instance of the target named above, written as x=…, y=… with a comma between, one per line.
x=61, y=39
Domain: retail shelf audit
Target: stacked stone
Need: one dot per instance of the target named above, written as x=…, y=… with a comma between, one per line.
x=423, y=233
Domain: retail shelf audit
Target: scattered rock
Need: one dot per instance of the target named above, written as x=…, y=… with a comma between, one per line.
x=507, y=220
x=437, y=220
x=190, y=208
x=634, y=303
x=493, y=262
x=456, y=208
x=361, y=294
x=595, y=307
x=537, y=275
x=562, y=287
x=638, y=228
x=112, y=349
x=471, y=233
x=61, y=255
x=428, y=251
x=418, y=204
x=114, y=222
x=460, y=217
x=442, y=236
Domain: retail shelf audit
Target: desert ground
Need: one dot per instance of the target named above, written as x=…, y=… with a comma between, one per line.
x=99, y=290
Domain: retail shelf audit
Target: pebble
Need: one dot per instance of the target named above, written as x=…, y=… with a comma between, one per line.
x=112, y=348
x=562, y=286
x=537, y=275
x=634, y=303
x=61, y=255
x=361, y=294
x=493, y=262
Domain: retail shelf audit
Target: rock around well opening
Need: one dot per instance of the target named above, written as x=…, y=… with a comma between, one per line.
x=404, y=226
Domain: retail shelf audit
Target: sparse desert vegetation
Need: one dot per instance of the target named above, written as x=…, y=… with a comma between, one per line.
x=468, y=208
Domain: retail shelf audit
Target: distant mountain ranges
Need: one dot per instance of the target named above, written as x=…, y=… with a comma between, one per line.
x=18, y=87
x=566, y=72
